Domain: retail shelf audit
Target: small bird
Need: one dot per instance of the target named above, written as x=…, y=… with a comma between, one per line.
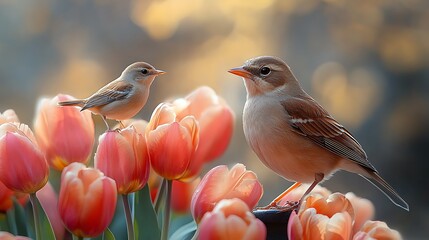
x=122, y=98
x=295, y=136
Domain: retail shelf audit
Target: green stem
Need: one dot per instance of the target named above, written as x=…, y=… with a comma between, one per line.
x=127, y=210
x=166, y=219
x=159, y=195
x=77, y=238
x=33, y=200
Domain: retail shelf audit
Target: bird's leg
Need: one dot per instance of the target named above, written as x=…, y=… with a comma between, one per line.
x=288, y=206
x=318, y=177
x=121, y=124
x=105, y=121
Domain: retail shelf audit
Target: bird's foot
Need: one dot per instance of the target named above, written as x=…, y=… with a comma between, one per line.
x=288, y=206
x=114, y=130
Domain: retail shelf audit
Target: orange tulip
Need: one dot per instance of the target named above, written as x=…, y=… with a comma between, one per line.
x=220, y=183
x=8, y=236
x=122, y=155
x=87, y=200
x=8, y=116
x=182, y=194
x=65, y=134
x=322, y=218
x=376, y=230
x=23, y=167
x=171, y=142
x=216, y=123
x=7, y=196
x=231, y=219
x=363, y=208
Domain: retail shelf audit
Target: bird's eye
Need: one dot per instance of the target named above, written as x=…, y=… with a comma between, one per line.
x=144, y=71
x=265, y=71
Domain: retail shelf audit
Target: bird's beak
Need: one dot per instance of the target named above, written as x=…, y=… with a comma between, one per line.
x=159, y=72
x=240, y=71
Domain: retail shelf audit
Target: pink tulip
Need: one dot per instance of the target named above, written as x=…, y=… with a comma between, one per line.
x=216, y=122
x=65, y=134
x=376, y=230
x=49, y=200
x=171, y=142
x=23, y=167
x=8, y=116
x=8, y=236
x=122, y=155
x=231, y=219
x=181, y=195
x=87, y=200
x=220, y=183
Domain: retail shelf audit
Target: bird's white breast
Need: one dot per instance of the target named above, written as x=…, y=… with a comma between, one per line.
x=267, y=130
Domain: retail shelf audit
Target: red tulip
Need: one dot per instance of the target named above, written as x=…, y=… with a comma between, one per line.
x=171, y=142
x=87, y=200
x=23, y=167
x=220, y=183
x=65, y=134
x=231, y=219
x=122, y=155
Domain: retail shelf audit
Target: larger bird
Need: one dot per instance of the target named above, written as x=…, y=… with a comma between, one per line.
x=122, y=98
x=293, y=135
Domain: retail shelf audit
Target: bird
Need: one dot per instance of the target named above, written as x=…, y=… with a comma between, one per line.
x=295, y=136
x=123, y=97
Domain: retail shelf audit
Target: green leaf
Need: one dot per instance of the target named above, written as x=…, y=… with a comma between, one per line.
x=20, y=219
x=45, y=226
x=145, y=221
x=108, y=235
x=4, y=225
x=186, y=232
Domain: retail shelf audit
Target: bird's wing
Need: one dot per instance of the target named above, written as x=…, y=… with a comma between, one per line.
x=114, y=91
x=309, y=119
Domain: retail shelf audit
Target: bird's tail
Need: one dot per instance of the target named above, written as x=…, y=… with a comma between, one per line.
x=388, y=190
x=78, y=102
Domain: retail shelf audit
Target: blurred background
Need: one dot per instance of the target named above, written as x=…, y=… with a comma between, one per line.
x=365, y=61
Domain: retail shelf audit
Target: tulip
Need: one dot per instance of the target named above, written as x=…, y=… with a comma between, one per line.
x=8, y=236
x=363, y=209
x=8, y=116
x=171, y=143
x=220, y=183
x=322, y=218
x=181, y=195
x=65, y=134
x=296, y=194
x=231, y=219
x=122, y=155
x=7, y=196
x=23, y=167
x=376, y=230
x=216, y=123
x=49, y=200
x=87, y=200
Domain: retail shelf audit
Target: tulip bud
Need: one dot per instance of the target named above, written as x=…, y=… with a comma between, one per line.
x=220, y=183
x=65, y=134
x=123, y=157
x=231, y=219
x=23, y=167
x=171, y=143
x=87, y=200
